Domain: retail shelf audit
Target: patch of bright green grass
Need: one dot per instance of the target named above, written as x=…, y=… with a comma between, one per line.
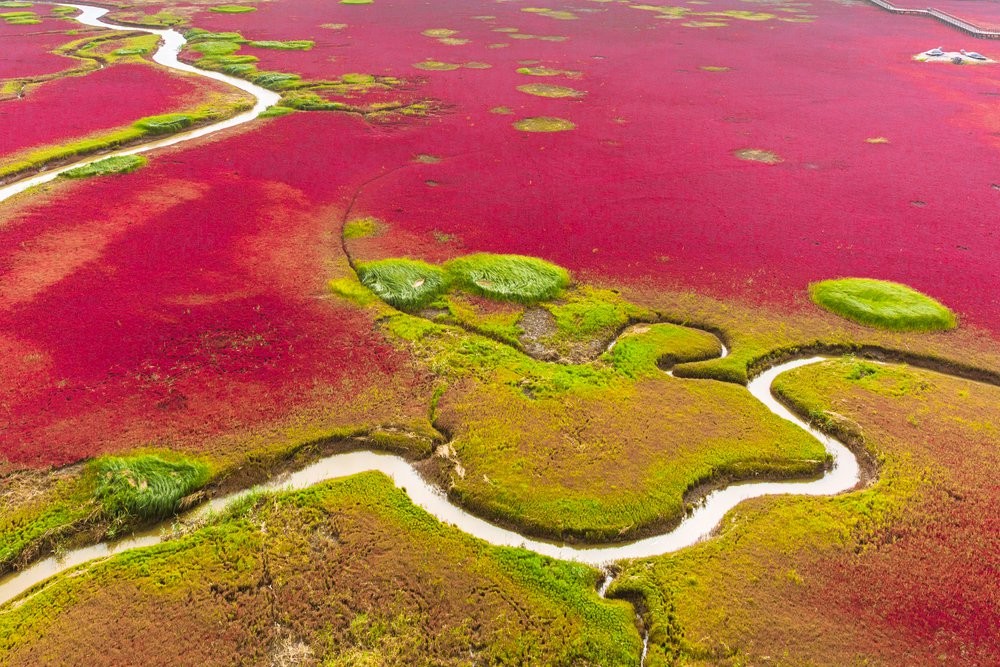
x=640, y=352
x=290, y=45
x=882, y=304
x=232, y=9
x=119, y=164
x=20, y=18
x=406, y=284
x=145, y=487
x=275, y=112
x=509, y=277
x=165, y=124
x=276, y=80
x=14, y=4
x=199, y=34
x=356, y=2
x=215, y=47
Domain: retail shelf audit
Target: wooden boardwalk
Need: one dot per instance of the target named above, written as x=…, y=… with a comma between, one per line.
x=967, y=27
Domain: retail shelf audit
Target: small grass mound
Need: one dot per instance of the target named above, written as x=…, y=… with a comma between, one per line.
x=406, y=284
x=882, y=304
x=543, y=90
x=120, y=164
x=544, y=124
x=509, y=277
x=165, y=124
x=145, y=487
x=232, y=9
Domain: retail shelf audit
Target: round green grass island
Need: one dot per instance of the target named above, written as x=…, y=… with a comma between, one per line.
x=882, y=304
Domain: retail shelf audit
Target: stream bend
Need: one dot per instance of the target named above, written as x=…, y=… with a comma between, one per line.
x=699, y=524
x=171, y=43
x=696, y=526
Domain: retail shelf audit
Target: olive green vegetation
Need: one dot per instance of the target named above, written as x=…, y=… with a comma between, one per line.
x=20, y=18
x=145, y=488
x=116, y=493
x=515, y=278
x=787, y=562
x=882, y=304
x=143, y=128
x=119, y=164
x=232, y=9
x=283, y=570
x=647, y=349
x=219, y=52
x=14, y=4
x=290, y=45
x=601, y=451
x=275, y=112
x=544, y=124
x=58, y=502
x=361, y=228
x=406, y=284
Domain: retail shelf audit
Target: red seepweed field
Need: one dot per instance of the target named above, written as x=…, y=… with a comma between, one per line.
x=699, y=164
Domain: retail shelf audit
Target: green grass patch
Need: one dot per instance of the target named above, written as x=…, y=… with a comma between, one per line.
x=232, y=9
x=165, y=124
x=198, y=34
x=882, y=304
x=119, y=164
x=276, y=80
x=145, y=488
x=640, y=353
x=215, y=47
x=290, y=45
x=515, y=278
x=361, y=228
x=14, y=4
x=406, y=284
x=275, y=112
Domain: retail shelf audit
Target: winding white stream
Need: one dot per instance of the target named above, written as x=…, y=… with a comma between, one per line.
x=171, y=44
x=698, y=525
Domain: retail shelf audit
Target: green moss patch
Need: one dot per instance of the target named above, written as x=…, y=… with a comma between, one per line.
x=360, y=228
x=406, y=284
x=882, y=304
x=232, y=9
x=509, y=277
x=120, y=164
x=543, y=90
x=290, y=45
x=544, y=124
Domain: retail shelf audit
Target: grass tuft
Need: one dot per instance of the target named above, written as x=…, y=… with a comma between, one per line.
x=120, y=164
x=406, y=284
x=145, y=488
x=882, y=304
x=515, y=278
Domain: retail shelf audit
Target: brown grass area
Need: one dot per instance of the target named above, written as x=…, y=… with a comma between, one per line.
x=343, y=574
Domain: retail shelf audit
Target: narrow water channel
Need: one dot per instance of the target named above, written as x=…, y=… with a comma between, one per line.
x=696, y=526
x=171, y=43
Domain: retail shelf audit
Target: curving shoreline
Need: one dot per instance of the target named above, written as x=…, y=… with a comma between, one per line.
x=844, y=474
x=171, y=44
x=696, y=526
